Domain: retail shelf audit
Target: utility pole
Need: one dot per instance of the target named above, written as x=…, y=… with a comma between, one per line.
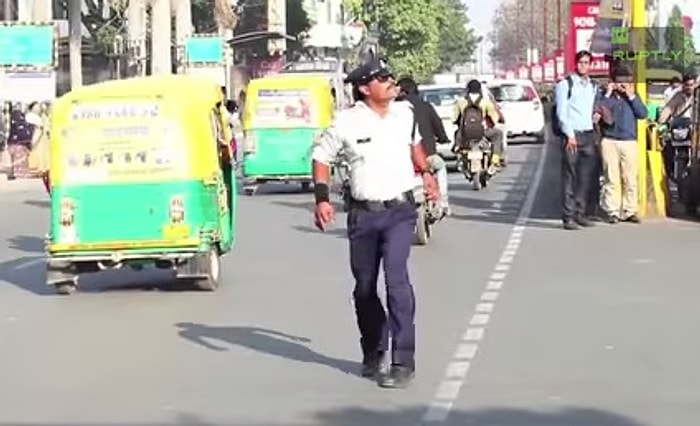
x=23, y=10
x=545, y=28
x=136, y=18
x=8, y=7
x=559, y=35
x=161, y=37
x=75, y=25
x=42, y=11
x=183, y=29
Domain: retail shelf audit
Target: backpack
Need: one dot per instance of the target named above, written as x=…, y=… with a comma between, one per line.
x=471, y=124
x=556, y=125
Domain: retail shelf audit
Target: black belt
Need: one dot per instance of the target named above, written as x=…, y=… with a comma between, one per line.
x=583, y=132
x=378, y=206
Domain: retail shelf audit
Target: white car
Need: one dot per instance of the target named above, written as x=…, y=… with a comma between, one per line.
x=443, y=98
x=522, y=108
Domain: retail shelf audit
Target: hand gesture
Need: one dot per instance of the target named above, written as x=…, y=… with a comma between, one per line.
x=571, y=145
x=324, y=215
x=629, y=89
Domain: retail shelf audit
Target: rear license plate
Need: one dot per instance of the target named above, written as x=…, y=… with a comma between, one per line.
x=175, y=232
x=475, y=155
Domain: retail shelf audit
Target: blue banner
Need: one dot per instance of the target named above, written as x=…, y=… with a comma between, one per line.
x=200, y=50
x=27, y=45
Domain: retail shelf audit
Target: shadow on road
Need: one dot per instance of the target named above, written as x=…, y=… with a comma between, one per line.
x=44, y=204
x=27, y=243
x=336, y=232
x=27, y=273
x=485, y=417
x=496, y=416
x=262, y=340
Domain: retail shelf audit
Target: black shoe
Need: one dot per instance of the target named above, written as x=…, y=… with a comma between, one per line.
x=612, y=219
x=570, y=225
x=398, y=377
x=372, y=365
x=582, y=221
x=632, y=219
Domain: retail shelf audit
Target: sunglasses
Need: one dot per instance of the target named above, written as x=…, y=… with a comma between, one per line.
x=381, y=77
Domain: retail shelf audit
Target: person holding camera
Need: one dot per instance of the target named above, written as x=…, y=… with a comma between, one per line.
x=619, y=149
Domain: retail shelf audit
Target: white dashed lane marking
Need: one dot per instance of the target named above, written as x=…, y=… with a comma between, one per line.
x=467, y=349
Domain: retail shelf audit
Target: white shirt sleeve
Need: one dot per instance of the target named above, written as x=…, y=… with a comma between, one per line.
x=326, y=151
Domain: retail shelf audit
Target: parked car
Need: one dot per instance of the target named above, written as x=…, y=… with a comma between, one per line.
x=521, y=106
x=443, y=98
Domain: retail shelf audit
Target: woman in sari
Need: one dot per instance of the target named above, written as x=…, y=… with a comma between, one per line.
x=19, y=144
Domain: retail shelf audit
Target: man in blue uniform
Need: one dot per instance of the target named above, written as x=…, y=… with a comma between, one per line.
x=381, y=142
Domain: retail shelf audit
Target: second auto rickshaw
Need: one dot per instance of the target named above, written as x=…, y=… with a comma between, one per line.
x=283, y=116
x=141, y=175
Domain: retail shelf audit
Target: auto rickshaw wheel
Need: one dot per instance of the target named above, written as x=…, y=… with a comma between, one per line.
x=250, y=190
x=422, y=231
x=210, y=263
x=66, y=289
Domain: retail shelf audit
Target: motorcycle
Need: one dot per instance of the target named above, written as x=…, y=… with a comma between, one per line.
x=341, y=180
x=678, y=144
x=474, y=161
x=429, y=213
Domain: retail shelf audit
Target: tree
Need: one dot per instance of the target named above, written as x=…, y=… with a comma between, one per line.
x=102, y=30
x=457, y=41
x=253, y=17
x=513, y=27
x=408, y=33
x=678, y=40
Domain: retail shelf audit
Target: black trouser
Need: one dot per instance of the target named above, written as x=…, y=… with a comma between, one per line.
x=593, y=200
x=578, y=167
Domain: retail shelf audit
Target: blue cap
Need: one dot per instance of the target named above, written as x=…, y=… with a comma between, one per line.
x=366, y=72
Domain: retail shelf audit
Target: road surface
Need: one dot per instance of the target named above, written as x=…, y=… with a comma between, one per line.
x=519, y=323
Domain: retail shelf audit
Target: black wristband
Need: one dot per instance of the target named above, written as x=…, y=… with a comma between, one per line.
x=322, y=193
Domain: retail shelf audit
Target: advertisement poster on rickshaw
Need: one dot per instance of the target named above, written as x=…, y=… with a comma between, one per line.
x=107, y=143
x=285, y=108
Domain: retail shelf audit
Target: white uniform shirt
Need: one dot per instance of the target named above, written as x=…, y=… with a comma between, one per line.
x=377, y=149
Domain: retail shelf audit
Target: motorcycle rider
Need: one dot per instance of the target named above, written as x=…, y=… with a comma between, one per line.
x=494, y=135
x=679, y=106
x=432, y=131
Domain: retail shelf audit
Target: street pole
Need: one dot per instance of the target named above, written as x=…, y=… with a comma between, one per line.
x=7, y=10
x=183, y=30
x=545, y=28
x=136, y=31
x=75, y=47
x=559, y=35
x=532, y=36
x=161, y=33
x=516, y=45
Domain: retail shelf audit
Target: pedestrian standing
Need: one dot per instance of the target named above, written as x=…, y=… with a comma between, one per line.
x=574, y=99
x=19, y=144
x=619, y=149
x=380, y=140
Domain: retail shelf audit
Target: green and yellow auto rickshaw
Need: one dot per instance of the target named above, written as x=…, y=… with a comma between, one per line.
x=658, y=80
x=141, y=174
x=283, y=116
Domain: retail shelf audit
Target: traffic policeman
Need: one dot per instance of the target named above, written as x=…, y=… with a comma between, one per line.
x=381, y=142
